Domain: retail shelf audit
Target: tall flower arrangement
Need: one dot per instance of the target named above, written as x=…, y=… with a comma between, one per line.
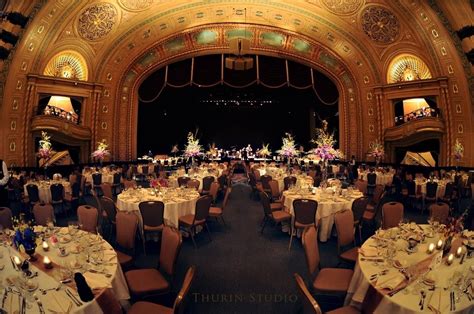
x=458, y=150
x=192, y=148
x=102, y=150
x=377, y=151
x=213, y=151
x=325, y=144
x=264, y=151
x=24, y=235
x=45, y=150
x=288, y=148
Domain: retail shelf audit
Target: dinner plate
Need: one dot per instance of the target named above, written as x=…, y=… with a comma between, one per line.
x=63, y=255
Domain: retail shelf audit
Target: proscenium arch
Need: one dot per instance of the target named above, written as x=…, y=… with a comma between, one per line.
x=126, y=106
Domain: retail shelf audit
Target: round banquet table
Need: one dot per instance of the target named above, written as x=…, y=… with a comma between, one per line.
x=79, y=245
x=44, y=190
x=178, y=202
x=407, y=300
x=328, y=205
x=382, y=178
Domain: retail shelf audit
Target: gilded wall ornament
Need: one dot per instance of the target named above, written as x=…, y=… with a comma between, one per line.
x=97, y=21
x=67, y=64
x=407, y=67
x=343, y=7
x=135, y=5
x=380, y=25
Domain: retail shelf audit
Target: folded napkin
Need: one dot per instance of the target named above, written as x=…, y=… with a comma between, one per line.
x=97, y=281
x=390, y=281
x=57, y=301
x=368, y=252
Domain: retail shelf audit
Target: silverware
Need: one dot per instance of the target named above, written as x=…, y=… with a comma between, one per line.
x=5, y=293
x=40, y=304
x=394, y=292
x=73, y=298
x=422, y=301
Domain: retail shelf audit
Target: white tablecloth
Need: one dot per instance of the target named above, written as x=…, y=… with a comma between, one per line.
x=327, y=207
x=406, y=301
x=58, y=300
x=382, y=178
x=175, y=206
x=44, y=190
x=440, y=190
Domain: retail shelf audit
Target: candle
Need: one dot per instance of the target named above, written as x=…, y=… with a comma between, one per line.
x=459, y=251
x=439, y=245
x=45, y=246
x=431, y=248
x=450, y=259
x=17, y=261
x=47, y=263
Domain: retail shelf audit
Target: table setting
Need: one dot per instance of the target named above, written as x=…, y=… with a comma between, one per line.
x=178, y=201
x=57, y=270
x=330, y=201
x=415, y=268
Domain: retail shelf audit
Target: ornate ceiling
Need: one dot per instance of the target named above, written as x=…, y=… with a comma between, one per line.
x=116, y=43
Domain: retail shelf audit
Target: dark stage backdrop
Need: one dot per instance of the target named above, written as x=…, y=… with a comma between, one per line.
x=230, y=116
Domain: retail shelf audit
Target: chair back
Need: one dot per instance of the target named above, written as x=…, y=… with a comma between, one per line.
x=97, y=179
x=76, y=189
x=289, y=181
x=202, y=208
x=265, y=179
x=206, y=182
x=379, y=189
x=43, y=214
x=117, y=178
x=431, y=189
x=361, y=186
x=108, y=205
x=252, y=180
x=107, y=189
x=129, y=184
x=439, y=212
x=392, y=214
x=152, y=213
x=213, y=190
x=170, y=246
x=344, y=221
x=145, y=170
x=305, y=211
x=108, y=302
x=222, y=180
x=448, y=191
x=183, y=181
x=127, y=224
x=372, y=178
x=57, y=192
x=358, y=207
x=180, y=301
x=411, y=187
x=274, y=188
x=267, y=210
x=226, y=197
x=33, y=193
x=88, y=216
x=256, y=173
x=193, y=184
x=310, y=306
x=6, y=218
x=311, y=250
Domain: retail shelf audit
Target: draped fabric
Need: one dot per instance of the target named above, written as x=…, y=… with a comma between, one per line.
x=209, y=70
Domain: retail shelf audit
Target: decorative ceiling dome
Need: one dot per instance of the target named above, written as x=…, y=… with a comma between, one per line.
x=407, y=67
x=67, y=64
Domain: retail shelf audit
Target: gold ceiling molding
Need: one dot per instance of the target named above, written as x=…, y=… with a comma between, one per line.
x=407, y=67
x=135, y=5
x=96, y=21
x=67, y=64
x=343, y=7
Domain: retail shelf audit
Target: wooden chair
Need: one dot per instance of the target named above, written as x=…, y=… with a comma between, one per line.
x=43, y=214
x=5, y=218
x=150, y=281
x=179, y=304
x=439, y=212
x=193, y=184
x=107, y=190
x=218, y=212
x=344, y=222
x=392, y=214
x=311, y=306
x=127, y=224
x=190, y=222
x=152, y=217
x=358, y=207
x=304, y=215
x=88, y=217
x=276, y=216
x=109, y=212
x=329, y=280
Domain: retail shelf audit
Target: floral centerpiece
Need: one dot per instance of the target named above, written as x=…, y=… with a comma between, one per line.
x=175, y=149
x=264, y=151
x=213, y=151
x=454, y=227
x=325, y=144
x=458, y=150
x=45, y=151
x=25, y=237
x=192, y=148
x=376, y=150
x=102, y=151
x=288, y=148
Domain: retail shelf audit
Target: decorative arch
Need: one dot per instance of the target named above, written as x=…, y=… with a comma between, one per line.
x=68, y=64
x=407, y=67
x=172, y=49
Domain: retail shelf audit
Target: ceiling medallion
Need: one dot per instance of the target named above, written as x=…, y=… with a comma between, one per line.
x=135, y=5
x=97, y=21
x=343, y=7
x=407, y=67
x=380, y=24
x=67, y=64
